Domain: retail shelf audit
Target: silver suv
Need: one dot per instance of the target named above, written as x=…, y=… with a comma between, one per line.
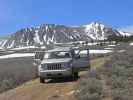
x=62, y=62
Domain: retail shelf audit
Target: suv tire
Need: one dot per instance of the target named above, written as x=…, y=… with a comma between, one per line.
x=75, y=75
x=42, y=80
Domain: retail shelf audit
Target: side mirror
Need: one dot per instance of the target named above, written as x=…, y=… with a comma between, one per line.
x=37, y=61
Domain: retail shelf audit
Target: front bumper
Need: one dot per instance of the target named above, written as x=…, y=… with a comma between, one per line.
x=55, y=73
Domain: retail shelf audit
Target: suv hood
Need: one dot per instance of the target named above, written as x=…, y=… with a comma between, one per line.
x=63, y=60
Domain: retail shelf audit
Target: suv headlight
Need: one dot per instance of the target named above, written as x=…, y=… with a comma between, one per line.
x=64, y=65
x=67, y=65
x=42, y=67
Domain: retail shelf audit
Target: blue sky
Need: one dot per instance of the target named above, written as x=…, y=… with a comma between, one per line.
x=17, y=14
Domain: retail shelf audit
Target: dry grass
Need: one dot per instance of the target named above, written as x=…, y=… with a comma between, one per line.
x=14, y=72
x=119, y=75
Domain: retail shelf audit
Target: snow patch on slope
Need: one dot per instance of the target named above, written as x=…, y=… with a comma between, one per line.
x=124, y=33
x=100, y=51
x=36, y=38
x=131, y=44
x=16, y=55
x=95, y=51
x=3, y=43
x=12, y=44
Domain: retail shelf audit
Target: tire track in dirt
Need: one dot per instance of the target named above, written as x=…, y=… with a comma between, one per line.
x=106, y=88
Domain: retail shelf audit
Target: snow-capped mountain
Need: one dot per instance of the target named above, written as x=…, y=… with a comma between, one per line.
x=98, y=31
x=50, y=33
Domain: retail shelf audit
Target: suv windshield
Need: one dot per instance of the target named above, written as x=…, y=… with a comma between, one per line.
x=49, y=55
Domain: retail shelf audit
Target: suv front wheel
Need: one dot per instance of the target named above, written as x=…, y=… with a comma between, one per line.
x=42, y=80
x=75, y=75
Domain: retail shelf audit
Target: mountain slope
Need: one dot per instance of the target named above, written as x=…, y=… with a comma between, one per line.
x=50, y=33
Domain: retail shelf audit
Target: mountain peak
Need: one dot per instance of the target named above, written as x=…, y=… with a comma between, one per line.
x=95, y=25
x=96, y=22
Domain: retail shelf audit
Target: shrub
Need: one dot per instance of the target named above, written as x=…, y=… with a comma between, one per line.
x=14, y=72
x=90, y=87
x=119, y=73
x=122, y=94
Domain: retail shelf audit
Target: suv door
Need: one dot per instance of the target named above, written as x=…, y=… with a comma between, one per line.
x=81, y=61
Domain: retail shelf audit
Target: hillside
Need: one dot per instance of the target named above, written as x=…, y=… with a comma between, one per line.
x=51, y=33
x=54, y=90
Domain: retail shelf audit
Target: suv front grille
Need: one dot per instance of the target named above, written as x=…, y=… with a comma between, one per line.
x=54, y=66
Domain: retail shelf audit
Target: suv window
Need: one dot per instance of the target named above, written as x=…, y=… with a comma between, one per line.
x=39, y=55
x=62, y=54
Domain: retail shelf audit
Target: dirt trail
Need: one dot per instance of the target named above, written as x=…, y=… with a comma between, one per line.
x=34, y=90
x=106, y=88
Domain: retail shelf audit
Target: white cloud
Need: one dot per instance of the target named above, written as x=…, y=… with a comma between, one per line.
x=127, y=29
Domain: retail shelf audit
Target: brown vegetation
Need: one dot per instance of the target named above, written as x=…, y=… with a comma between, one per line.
x=15, y=71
